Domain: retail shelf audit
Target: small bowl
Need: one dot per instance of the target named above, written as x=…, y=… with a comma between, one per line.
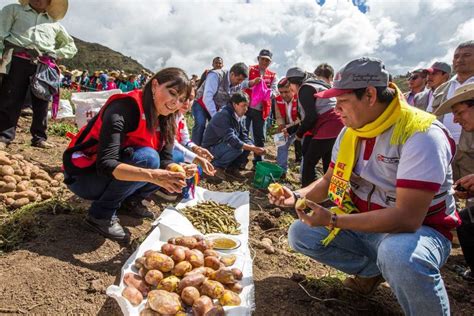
x=218, y=239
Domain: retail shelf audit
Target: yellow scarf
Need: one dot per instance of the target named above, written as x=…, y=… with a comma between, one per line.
x=408, y=120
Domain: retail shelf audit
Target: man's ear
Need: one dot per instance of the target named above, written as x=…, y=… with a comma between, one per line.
x=371, y=94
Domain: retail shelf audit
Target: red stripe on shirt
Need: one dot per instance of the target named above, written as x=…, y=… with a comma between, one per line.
x=416, y=184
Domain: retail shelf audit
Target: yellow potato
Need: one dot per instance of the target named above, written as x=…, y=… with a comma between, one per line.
x=153, y=277
x=177, y=168
x=164, y=302
x=229, y=260
x=159, y=261
x=238, y=275
x=189, y=242
x=6, y=170
x=169, y=284
x=276, y=189
x=213, y=289
x=301, y=204
x=195, y=257
x=21, y=202
x=182, y=268
x=224, y=276
x=229, y=298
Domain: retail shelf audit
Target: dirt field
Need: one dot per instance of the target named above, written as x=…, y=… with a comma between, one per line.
x=50, y=263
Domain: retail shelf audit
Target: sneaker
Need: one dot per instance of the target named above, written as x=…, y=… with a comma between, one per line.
x=166, y=195
x=109, y=228
x=42, y=144
x=363, y=286
x=235, y=173
x=3, y=146
x=137, y=207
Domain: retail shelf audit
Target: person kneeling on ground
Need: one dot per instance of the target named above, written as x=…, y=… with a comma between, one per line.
x=462, y=106
x=390, y=178
x=114, y=160
x=227, y=138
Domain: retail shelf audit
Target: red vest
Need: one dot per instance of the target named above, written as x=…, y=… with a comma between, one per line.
x=179, y=128
x=282, y=107
x=268, y=77
x=81, y=154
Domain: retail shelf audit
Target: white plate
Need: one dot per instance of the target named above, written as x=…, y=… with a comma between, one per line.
x=231, y=237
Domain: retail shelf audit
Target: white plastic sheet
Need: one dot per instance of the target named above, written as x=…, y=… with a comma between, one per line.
x=171, y=224
x=88, y=104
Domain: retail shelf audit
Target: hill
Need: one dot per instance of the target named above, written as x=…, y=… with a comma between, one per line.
x=93, y=56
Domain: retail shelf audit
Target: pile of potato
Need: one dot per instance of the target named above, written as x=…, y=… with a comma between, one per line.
x=187, y=273
x=22, y=183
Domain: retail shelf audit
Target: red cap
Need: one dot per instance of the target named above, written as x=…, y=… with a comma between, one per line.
x=331, y=93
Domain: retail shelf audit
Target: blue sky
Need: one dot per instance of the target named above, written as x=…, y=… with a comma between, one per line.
x=405, y=34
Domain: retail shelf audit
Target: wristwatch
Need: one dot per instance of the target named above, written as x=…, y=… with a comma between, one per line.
x=296, y=195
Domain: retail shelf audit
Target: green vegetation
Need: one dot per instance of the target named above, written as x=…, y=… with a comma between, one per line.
x=62, y=128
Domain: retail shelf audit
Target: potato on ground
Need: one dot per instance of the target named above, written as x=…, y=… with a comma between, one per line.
x=21, y=202
x=136, y=281
x=159, y=261
x=190, y=294
x=202, y=305
x=164, y=302
x=169, y=284
x=132, y=295
x=153, y=277
x=213, y=289
x=191, y=280
x=182, y=268
x=230, y=298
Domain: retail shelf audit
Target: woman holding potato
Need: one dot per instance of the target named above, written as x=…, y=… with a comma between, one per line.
x=124, y=153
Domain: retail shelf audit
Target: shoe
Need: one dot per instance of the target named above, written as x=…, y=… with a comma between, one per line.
x=363, y=286
x=26, y=112
x=42, y=144
x=109, y=228
x=137, y=207
x=3, y=146
x=166, y=195
x=464, y=272
x=235, y=173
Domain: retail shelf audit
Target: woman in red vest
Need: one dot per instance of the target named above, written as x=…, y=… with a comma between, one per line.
x=124, y=153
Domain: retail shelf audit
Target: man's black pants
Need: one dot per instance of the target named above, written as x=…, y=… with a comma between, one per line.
x=313, y=151
x=255, y=118
x=466, y=235
x=12, y=95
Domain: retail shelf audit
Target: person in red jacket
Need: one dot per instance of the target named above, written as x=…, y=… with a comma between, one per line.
x=258, y=113
x=124, y=153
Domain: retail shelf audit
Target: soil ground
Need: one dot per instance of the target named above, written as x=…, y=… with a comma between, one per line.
x=50, y=263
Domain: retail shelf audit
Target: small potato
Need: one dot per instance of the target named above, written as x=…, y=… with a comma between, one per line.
x=142, y=272
x=33, y=196
x=238, y=275
x=133, y=280
x=164, y=302
x=139, y=263
x=132, y=295
x=212, y=262
x=178, y=255
x=149, y=252
x=4, y=160
x=172, y=241
x=210, y=253
x=195, y=257
x=9, y=187
x=9, y=179
x=189, y=295
x=213, y=289
x=168, y=249
x=224, y=276
x=202, y=305
x=149, y=312
x=229, y=260
x=189, y=242
x=159, y=261
x=169, y=284
x=276, y=189
x=41, y=183
x=59, y=177
x=191, y=280
x=6, y=170
x=153, y=277
x=236, y=287
x=46, y=195
x=182, y=268
x=18, y=157
x=43, y=176
x=216, y=310
x=198, y=237
x=230, y=298
x=54, y=183
x=204, y=245
x=9, y=201
x=21, y=202
x=199, y=270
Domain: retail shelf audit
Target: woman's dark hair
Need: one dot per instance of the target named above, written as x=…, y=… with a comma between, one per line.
x=299, y=80
x=173, y=78
x=324, y=70
x=384, y=94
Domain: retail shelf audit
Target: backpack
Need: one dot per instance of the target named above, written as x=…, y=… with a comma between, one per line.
x=44, y=84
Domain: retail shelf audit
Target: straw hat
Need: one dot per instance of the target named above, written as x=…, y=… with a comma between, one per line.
x=56, y=10
x=464, y=93
x=76, y=73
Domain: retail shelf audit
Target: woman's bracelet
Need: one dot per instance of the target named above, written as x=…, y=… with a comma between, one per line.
x=333, y=221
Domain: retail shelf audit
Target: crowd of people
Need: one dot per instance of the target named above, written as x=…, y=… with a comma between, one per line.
x=395, y=165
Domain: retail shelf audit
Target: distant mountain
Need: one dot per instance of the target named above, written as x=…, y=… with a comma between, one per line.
x=93, y=56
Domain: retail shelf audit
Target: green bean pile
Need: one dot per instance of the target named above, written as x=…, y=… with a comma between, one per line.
x=212, y=217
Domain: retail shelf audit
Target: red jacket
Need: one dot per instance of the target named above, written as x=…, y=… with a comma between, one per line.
x=268, y=77
x=281, y=105
x=81, y=153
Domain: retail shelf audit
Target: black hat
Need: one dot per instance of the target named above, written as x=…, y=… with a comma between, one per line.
x=265, y=53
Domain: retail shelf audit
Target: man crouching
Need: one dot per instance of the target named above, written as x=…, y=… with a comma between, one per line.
x=390, y=179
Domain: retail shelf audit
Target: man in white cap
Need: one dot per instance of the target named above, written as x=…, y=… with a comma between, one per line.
x=390, y=179
x=462, y=107
x=29, y=31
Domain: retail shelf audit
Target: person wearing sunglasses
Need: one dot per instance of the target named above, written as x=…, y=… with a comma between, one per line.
x=416, y=83
x=437, y=74
x=124, y=153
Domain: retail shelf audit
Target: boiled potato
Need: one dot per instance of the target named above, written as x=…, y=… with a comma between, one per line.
x=228, y=260
x=276, y=189
x=213, y=262
x=153, y=277
x=159, y=261
x=195, y=257
x=194, y=280
x=230, y=298
x=182, y=268
x=132, y=295
x=134, y=280
x=189, y=295
x=202, y=305
x=213, y=289
x=164, y=302
x=169, y=284
x=224, y=276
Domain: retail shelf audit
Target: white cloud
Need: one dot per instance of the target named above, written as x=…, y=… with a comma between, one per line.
x=189, y=33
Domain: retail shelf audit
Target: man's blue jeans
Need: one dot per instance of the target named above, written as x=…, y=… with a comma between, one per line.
x=227, y=156
x=178, y=156
x=409, y=262
x=107, y=193
x=282, y=153
x=200, y=120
